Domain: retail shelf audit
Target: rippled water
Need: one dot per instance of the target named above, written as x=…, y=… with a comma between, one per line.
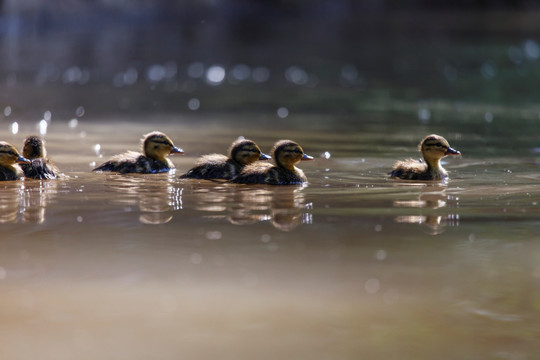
x=353, y=265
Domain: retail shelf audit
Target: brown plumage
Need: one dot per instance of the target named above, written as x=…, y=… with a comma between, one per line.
x=286, y=154
x=216, y=166
x=9, y=160
x=433, y=148
x=153, y=159
x=40, y=167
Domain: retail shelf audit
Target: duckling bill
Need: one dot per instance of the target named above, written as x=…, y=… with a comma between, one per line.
x=9, y=162
x=433, y=148
x=242, y=152
x=39, y=167
x=156, y=146
x=286, y=155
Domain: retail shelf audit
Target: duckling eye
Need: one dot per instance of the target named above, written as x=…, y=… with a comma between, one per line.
x=439, y=144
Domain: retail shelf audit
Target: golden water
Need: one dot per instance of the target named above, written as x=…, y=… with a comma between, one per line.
x=352, y=266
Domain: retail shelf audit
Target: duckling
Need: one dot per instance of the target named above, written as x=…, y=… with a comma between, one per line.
x=155, y=147
x=9, y=160
x=216, y=166
x=433, y=148
x=286, y=154
x=40, y=167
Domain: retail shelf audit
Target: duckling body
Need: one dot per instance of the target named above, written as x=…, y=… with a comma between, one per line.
x=39, y=167
x=153, y=159
x=433, y=148
x=9, y=160
x=286, y=154
x=217, y=166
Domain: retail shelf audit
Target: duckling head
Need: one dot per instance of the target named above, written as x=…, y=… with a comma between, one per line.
x=434, y=148
x=245, y=152
x=157, y=145
x=10, y=156
x=34, y=148
x=287, y=153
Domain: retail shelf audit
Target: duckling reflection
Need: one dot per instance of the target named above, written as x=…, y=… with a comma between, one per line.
x=156, y=199
x=10, y=199
x=431, y=197
x=25, y=201
x=35, y=198
x=283, y=207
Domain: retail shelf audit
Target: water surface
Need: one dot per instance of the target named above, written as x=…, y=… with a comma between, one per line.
x=353, y=265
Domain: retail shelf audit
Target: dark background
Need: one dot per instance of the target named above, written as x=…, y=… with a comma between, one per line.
x=63, y=54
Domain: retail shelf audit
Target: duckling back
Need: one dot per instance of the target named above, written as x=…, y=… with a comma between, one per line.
x=286, y=154
x=40, y=169
x=242, y=152
x=213, y=166
x=134, y=162
x=264, y=173
x=411, y=170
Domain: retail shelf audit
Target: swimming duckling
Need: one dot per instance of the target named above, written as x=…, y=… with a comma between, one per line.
x=155, y=148
x=9, y=160
x=216, y=166
x=433, y=148
x=40, y=167
x=286, y=154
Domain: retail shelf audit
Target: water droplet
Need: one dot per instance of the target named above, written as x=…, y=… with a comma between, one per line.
x=155, y=73
x=80, y=111
x=349, y=75
x=283, y=112
x=515, y=54
x=488, y=117
x=380, y=254
x=195, y=258
x=372, y=286
x=260, y=74
x=215, y=75
x=14, y=128
x=424, y=115
x=194, y=104
x=130, y=76
x=325, y=155
x=296, y=75
x=43, y=124
x=171, y=69
x=238, y=73
x=213, y=235
x=7, y=111
x=97, y=148
x=79, y=219
x=488, y=70
x=73, y=123
x=47, y=115
x=532, y=50
x=265, y=238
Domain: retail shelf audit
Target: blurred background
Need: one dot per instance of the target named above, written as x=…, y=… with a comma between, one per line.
x=325, y=56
